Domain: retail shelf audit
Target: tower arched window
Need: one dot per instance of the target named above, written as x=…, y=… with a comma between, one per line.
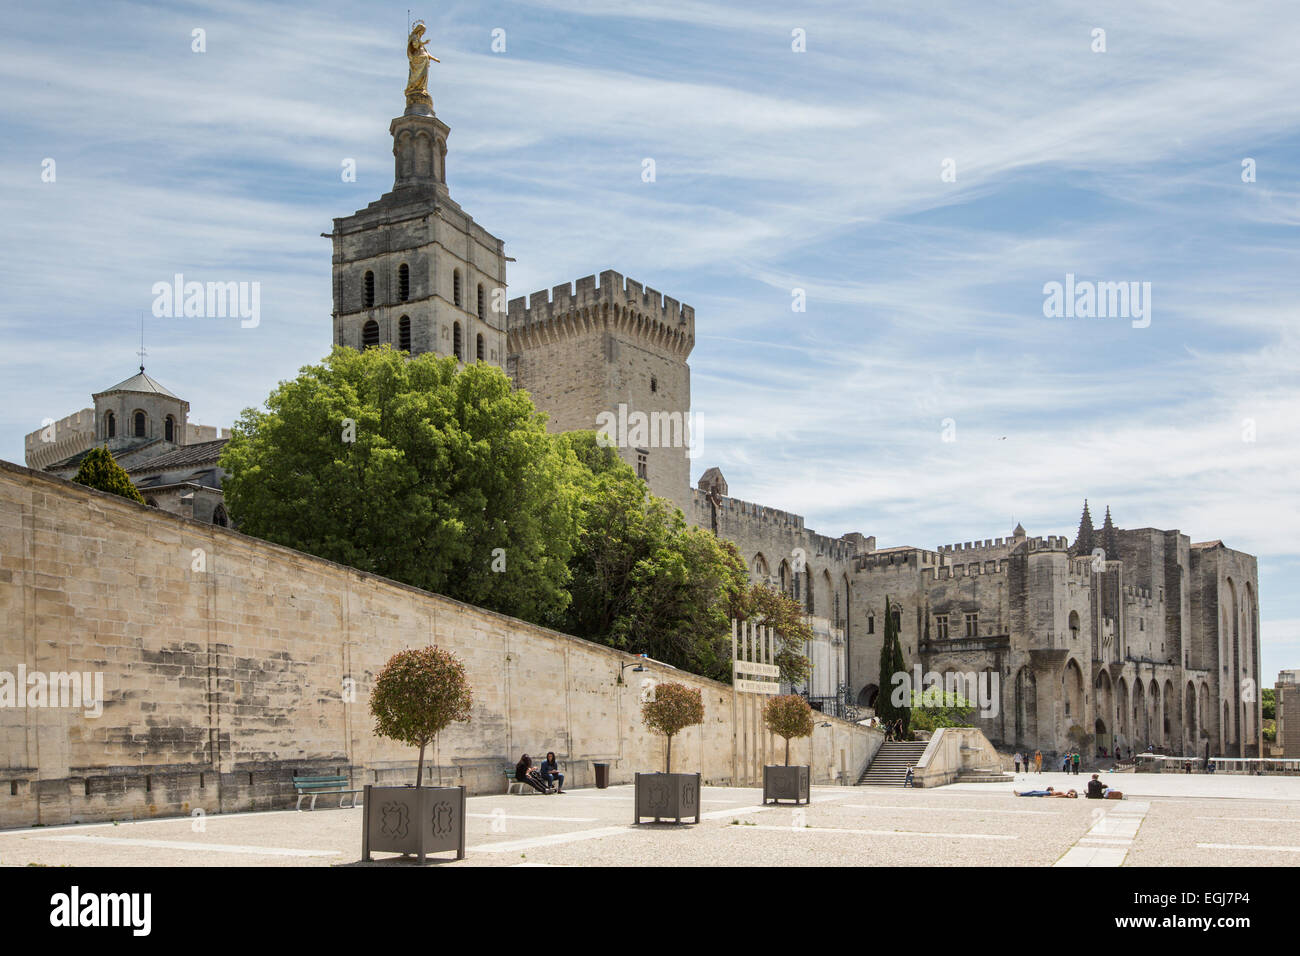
x=368, y=290
x=110, y=425
x=219, y=516
x=404, y=333
x=369, y=334
x=456, y=344
x=403, y=282
x=482, y=313
x=479, y=348
x=141, y=424
x=169, y=428
x=654, y=385
x=455, y=288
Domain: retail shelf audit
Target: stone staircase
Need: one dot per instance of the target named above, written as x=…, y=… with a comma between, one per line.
x=889, y=767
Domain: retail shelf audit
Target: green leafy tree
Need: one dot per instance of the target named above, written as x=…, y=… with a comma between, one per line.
x=671, y=709
x=788, y=715
x=99, y=469
x=891, y=663
x=1268, y=704
x=641, y=579
x=785, y=616
x=418, y=694
x=934, y=708
x=441, y=478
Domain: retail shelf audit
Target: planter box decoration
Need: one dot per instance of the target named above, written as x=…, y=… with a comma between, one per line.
x=413, y=820
x=787, y=783
x=668, y=795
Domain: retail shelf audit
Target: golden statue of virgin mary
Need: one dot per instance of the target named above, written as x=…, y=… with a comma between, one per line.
x=417, y=83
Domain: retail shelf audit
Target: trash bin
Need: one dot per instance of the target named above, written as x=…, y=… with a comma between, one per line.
x=602, y=775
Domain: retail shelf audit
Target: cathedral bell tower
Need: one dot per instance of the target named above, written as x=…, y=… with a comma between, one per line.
x=413, y=269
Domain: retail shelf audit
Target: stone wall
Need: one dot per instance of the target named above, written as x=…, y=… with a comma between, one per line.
x=230, y=664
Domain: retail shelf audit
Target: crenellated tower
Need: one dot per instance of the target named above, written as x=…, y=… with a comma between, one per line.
x=612, y=354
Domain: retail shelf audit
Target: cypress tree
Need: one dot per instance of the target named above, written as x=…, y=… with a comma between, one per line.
x=891, y=663
x=100, y=470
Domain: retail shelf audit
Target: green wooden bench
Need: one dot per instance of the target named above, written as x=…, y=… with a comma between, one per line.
x=316, y=786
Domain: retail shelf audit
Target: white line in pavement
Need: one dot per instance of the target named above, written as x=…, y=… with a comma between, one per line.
x=1295, y=820
x=886, y=806
x=510, y=846
x=190, y=845
x=1246, y=846
x=525, y=816
x=1092, y=856
x=908, y=833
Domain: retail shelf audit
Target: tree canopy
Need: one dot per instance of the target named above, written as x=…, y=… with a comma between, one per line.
x=892, y=666
x=441, y=478
x=933, y=708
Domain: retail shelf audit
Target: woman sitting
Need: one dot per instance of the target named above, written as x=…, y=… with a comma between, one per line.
x=525, y=773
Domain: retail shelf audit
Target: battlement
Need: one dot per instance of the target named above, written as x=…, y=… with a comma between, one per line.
x=899, y=559
x=1005, y=545
x=734, y=509
x=1137, y=593
x=615, y=292
x=949, y=571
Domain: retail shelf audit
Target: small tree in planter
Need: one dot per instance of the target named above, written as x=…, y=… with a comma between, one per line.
x=787, y=716
x=417, y=694
x=671, y=709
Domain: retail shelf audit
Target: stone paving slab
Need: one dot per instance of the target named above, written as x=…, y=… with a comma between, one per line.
x=960, y=825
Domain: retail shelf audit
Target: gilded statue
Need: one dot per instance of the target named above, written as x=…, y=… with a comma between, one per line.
x=417, y=83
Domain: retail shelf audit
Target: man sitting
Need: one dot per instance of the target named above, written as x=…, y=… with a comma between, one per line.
x=551, y=772
x=1099, y=791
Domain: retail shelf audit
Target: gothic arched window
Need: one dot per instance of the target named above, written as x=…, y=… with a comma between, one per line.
x=456, y=345
x=403, y=282
x=370, y=334
x=479, y=348
x=482, y=314
x=169, y=428
x=404, y=333
x=140, y=423
x=368, y=290
x=219, y=516
x=110, y=425
x=455, y=288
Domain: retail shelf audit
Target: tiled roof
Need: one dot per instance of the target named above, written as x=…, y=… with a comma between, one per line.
x=74, y=461
x=187, y=456
x=139, y=382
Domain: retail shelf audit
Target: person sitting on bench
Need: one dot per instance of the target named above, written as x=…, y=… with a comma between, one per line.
x=525, y=773
x=551, y=772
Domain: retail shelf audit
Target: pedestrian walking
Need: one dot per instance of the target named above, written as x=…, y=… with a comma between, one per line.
x=1038, y=761
x=1076, y=763
x=1018, y=758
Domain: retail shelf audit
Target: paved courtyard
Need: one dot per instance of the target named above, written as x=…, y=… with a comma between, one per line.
x=1167, y=820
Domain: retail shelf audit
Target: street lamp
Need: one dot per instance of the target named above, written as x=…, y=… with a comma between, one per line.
x=638, y=667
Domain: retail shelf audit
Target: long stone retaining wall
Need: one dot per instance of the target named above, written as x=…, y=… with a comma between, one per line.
x=229, y=664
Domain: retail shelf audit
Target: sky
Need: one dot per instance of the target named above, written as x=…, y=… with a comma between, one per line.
x=920, y=171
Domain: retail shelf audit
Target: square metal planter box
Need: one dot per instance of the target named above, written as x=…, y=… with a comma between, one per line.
x=787, y=783
x=668, y=795
x=413, y=820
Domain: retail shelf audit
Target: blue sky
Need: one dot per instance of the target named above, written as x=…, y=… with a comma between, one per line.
x=775, y=170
